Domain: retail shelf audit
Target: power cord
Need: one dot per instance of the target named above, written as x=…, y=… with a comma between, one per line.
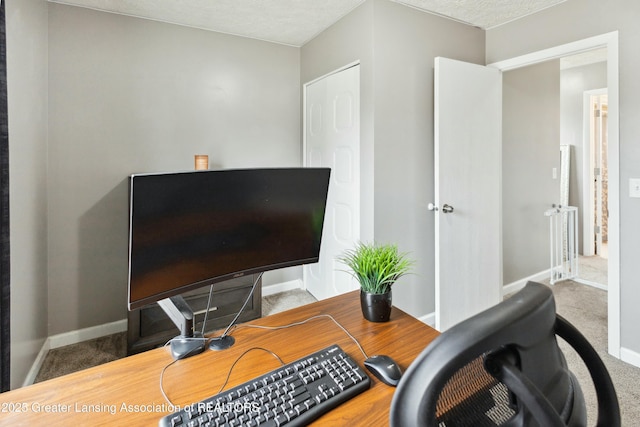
x=224, y=334
x=162, y=383
x=232, y=327
x=206, y=315
x=164, y=394
x=302, y=323
x=235, y=319
x=240, y=357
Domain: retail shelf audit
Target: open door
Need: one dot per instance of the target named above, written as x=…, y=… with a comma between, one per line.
x=468, y=209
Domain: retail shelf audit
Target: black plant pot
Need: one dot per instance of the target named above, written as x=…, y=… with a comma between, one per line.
x=375, y=307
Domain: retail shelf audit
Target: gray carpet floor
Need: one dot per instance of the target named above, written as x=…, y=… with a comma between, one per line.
x=76, y=357
x=584, y=306
x=593, y=269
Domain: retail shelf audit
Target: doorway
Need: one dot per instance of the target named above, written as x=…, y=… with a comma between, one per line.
x=610, y=42
x=594, y=262
x=598, y=149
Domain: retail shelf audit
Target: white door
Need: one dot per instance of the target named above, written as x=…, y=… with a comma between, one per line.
x=332, y=139
x=468, y=169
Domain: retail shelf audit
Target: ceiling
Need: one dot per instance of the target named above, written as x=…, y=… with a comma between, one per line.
x=295, y=22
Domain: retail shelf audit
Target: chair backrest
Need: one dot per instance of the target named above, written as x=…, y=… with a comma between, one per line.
x=503, y=367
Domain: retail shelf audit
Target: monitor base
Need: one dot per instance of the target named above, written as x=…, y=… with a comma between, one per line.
x=183, y=347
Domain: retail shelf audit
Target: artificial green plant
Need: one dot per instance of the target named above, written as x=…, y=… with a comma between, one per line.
x=376, y=267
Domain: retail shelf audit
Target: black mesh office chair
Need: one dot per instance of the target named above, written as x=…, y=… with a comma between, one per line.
x=503, y=367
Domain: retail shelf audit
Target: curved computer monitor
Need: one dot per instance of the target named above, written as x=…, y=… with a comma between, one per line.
x=193, y=229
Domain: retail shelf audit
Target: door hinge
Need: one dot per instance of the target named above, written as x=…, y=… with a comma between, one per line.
x=597, y=113
x=596, y=171
x=597, y=229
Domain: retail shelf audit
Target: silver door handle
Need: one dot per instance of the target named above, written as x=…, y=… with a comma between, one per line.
x=445, y=208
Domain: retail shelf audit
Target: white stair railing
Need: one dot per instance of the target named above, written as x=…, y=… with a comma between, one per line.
x=563, y=242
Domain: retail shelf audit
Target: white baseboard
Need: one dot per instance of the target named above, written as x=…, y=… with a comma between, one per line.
x=85, y=334
x=519, y=284
x=73, y=337
x=37, y=364
x=630, y=356
x=282, y=287
x=429, y=319
x=590, y=283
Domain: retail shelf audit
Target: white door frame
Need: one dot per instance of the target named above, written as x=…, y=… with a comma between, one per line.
x=609, y=41
x=588, y=184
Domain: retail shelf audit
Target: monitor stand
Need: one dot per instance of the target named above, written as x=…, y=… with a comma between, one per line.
x=188, y=343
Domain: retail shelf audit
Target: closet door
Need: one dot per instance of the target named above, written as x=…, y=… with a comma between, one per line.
x=332, y=139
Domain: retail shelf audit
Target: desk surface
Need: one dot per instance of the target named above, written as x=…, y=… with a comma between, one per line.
x=128, y=389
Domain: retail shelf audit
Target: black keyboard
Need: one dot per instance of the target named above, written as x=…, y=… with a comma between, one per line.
x=294, y=394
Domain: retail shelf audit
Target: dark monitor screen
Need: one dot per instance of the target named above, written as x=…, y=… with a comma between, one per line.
x=192, y=229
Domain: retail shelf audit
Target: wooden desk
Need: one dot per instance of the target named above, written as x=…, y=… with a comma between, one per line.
x=128, y=389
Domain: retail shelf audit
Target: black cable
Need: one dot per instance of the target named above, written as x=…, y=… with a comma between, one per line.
x=234, y=326
x=305, y=321
x=162, y=385
x=235, y=319
x=240, y=357
x=206, y=313
x=164, y=394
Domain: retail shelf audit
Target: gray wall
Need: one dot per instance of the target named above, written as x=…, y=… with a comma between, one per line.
x=27, y=81
x=573, y=83
x=530, y=150
x=588, y=18
x=396, y=46
x=129, y=95
x=406, y=43
x=347, y=41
